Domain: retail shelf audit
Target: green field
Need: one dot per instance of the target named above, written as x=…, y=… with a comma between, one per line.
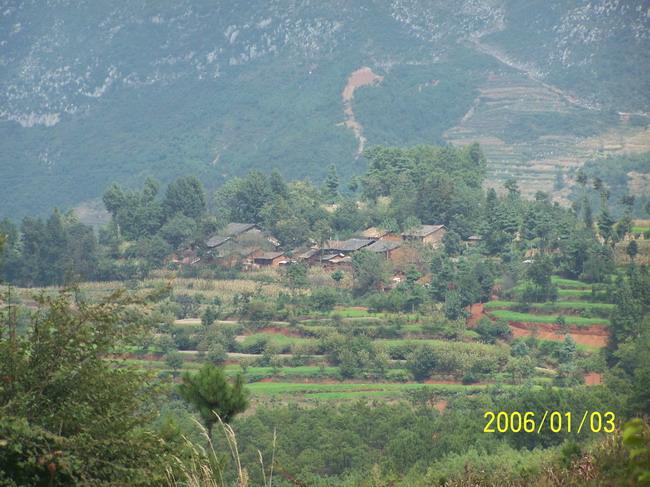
x=570, y=283
x=550, y=307
x=533, y=318
x=342, y=390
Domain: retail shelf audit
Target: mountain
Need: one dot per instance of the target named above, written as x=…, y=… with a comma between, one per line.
x=99, y=91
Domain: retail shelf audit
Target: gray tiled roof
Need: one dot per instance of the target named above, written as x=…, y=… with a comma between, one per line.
x=349, y=245
x=233, y=229
x=422, y=230
x=383, y=246
x=216, y=241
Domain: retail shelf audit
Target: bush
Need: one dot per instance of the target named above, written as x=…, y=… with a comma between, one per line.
x=490, y=331
x=324, y=298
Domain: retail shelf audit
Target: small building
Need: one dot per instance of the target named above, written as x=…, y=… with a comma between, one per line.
x=346, y=246
x=376, y=233
x=186, y=257
x=270, y=259
x=387, y=248
x=309, y=256
x=216, y=241
x=337, y=261
x=237, y=229
x=473, y=240
x=233, y=255
x=426, y=234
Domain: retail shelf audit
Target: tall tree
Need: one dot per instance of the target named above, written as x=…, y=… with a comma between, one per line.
x=186, y=196
x=332, y=183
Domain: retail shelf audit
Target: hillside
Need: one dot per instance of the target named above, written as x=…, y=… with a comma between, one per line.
x=117, y=91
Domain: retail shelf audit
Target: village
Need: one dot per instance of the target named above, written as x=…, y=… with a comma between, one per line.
x=248, y=247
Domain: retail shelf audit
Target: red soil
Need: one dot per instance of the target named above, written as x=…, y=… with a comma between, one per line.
x=441, y=405
x=594, y=335
x=593, y=379
x=476, y=313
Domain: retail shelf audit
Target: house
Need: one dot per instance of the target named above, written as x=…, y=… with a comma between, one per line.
x=385, y=247
x=186, y=257
x=216, y=241
x=310, y=256
x=337, y=261
x=375, y=233
x=473, y=240
x=346, y=246
x=237, y=229
x=233, y=231
x=238, y=244
x=270, y=259
x=233, y=254
x=430, y=235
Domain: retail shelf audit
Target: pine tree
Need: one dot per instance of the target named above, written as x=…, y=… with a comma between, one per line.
x=211, y=394
x=332, y=182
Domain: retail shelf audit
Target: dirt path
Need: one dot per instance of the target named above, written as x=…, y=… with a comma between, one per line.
x=475, y=315
x=361, y=77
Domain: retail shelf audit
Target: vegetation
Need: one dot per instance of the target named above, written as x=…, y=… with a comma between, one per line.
x=106, y=382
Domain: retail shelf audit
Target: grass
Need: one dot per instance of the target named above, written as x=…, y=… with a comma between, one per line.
x=562, y=305
x=533, y=318
x=564, y=293
x=569, y=283
x=277, y=340
x=353, y=312
x=342, y=390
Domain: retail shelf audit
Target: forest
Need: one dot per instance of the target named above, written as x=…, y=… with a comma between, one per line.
x=360, y=343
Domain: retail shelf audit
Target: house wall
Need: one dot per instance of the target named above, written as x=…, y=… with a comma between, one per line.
x=392, y=237
x=434, y=239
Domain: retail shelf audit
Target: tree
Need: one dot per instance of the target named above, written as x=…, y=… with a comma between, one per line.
x=452, y=243
x=209, y=316
x=174, y=360
x=212, y=394
x=66, y=409
x=295, y=276
x=632, y=249
x=421, y=362
x=185, y=195
x=332, y=183
x=179, y=229
x=371, y=271
x=337, y=276
x=217, y=354
x=606, y=224
x=137, y=214
x=453, y=305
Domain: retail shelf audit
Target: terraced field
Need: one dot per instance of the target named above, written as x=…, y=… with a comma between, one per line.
x=294, y=361
x=580, y=311
x=530, y=131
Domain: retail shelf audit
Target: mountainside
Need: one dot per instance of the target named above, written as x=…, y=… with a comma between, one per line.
x=94, y=91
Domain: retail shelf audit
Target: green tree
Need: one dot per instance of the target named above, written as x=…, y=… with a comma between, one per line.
x=71, y=415
x=178, y=230
x=209, y=316
x=185, y=195
x=371, y=271
x=212, y=394
x=632, y=249
x=174, y=360
x=421, y=362
x=337, y=276
x=332, y=183
x=295, y=276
